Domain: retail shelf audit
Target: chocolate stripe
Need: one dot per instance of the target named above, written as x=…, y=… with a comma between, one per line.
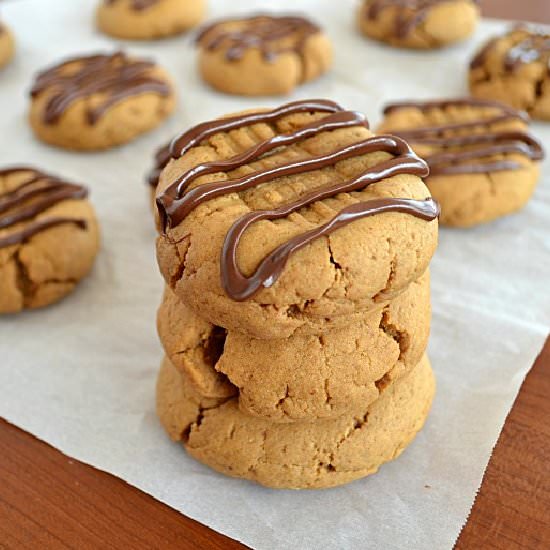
x=174, y=208
x=31, y=198
x=193, y=137
x=239, y=287
x=137, y=5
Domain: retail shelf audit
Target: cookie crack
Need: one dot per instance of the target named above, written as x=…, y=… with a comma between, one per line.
x=25, y=285
x=400, y=337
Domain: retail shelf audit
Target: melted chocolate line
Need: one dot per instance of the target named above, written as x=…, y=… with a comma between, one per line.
x=39, y=226
x=457, y=102
x=332, y=122
x=240, y=287
x=116, y=76
x=260, y=31
x=193, y=137
x=404, y=24
x=174, y=211
x=31, y=198
x=137, y=5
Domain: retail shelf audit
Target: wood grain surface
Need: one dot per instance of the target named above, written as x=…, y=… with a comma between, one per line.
x=49, y=501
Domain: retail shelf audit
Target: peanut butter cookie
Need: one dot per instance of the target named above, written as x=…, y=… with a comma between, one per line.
x=301, y=377
x=7, y=45
x=149, y=19
x=48, y=238
x=515, y=69
x=262, y=54
x=294, y=218
x=483, y=161
x=421, y=24
x=99, y=101
x=302, y=455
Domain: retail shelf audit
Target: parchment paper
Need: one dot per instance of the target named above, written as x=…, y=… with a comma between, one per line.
x=80, y=375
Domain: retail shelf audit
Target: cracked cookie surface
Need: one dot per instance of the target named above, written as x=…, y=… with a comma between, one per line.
x=420, y=24
x=99, y=101
x=303, y=377
x=358, y=267
x=514, y=68
x=7, y=45
x=49, y=238
x=148, y=19
x=484, y=162
x=319, y=454
x=262, y=54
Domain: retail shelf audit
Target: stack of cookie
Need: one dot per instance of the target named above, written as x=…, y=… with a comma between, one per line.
x=295, y=246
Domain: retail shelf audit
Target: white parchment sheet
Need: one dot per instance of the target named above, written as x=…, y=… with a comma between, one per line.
x=80, y=375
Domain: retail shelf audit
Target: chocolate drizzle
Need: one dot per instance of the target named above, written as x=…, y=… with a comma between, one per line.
x=177, y=201
x=137, y=5
x=405, y=23
x=475, y=149
x=115, y=77
x=271, y=35
x=32, y=197
x=528, y=46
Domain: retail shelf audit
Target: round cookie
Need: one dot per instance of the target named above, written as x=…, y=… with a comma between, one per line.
x=484, y=163
x=49, y=238
x=420, y=24
x=7, y=45
x=148, y=19
x=514, y=69
x=99, y=101
x=262, y=54
x=303, y=377
x=290, y=219
x=302, y=455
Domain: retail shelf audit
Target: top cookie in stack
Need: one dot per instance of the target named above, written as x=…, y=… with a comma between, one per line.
x=293, y=178
x=295, y=247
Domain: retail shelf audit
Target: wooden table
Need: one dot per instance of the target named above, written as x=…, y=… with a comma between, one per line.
x=48, y=500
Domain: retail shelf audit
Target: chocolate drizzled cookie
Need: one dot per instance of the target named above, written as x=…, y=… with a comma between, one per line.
x=48, y=238
x=262, y=54
x=408, y=23
x=278, y=187
x=483, y=142
x=515, y=68
x=114, y=76
x=97, y=101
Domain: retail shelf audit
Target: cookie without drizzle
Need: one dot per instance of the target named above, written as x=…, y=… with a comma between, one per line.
x=149, y=19
x=515, y=69
x=7, y=45
x=99, y=101
x=302, y=455
x=262, y=54
x=303, y=377
x=484, y=162
x=49, y=238
x=419, y=24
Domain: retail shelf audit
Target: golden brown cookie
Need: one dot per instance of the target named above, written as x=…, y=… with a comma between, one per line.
x=302, y=455
x=483, y=161
x=303, y=377
x=49, y=238
x=422, y=24
x=7, y=45
x=99, y=101
x=149, y=19
x=514, y=69
x=290, y=219
x=262, y=54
